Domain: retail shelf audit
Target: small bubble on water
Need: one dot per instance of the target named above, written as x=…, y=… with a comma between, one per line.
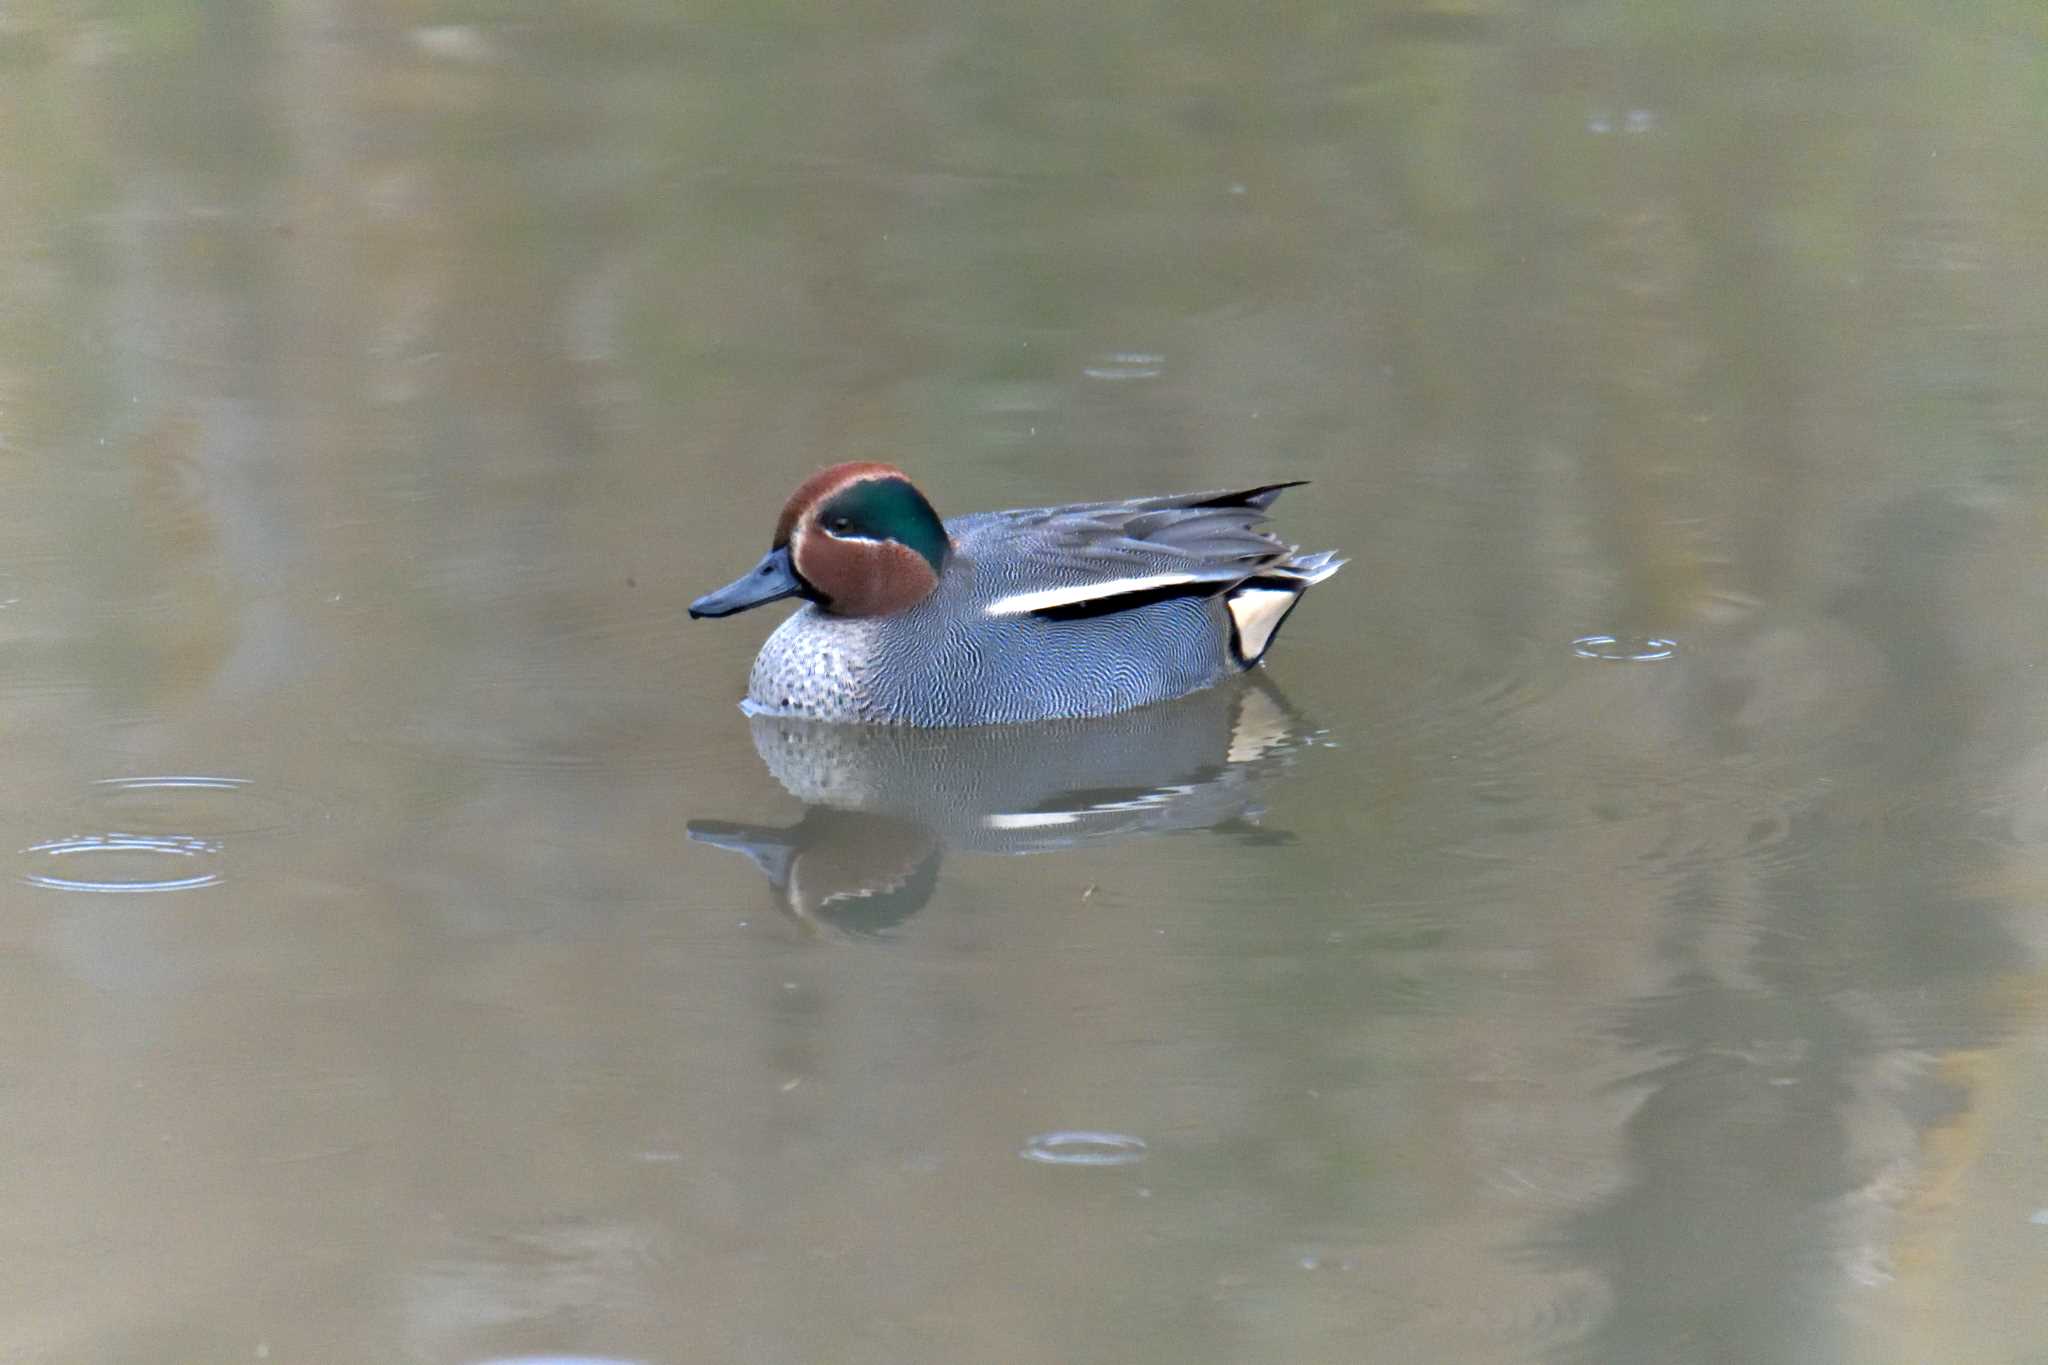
x=1083, y=1147
x=2040, y=1218
x=1633, y=649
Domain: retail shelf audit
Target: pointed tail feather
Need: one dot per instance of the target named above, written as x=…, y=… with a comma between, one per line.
x=1303, y=570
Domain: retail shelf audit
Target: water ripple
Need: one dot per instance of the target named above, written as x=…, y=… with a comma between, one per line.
x=1126, y=365
x=1081, y=1147
x=191, y=803
x=1631, y=649
x=116, y=849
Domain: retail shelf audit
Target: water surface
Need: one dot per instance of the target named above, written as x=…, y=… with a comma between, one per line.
x=1611, y=931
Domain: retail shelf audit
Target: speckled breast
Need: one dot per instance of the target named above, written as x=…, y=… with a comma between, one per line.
x=813, y=665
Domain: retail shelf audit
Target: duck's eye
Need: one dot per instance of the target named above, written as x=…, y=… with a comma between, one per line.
x=839, y=525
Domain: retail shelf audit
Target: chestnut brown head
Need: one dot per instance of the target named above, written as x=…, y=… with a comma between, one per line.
x=858, y=539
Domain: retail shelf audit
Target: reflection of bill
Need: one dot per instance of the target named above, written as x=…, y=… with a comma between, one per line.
x=882, y=804
x=859, y=873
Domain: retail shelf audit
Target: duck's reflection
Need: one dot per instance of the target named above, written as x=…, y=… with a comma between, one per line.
x=883, y=804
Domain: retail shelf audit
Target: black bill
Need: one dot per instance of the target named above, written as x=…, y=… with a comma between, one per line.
x=773, y=579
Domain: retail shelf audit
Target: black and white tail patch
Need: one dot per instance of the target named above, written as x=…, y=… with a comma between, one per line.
x=1256, y=612
x=1258, y=606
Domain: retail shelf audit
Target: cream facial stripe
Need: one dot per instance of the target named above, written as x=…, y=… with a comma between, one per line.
x=1021, y=603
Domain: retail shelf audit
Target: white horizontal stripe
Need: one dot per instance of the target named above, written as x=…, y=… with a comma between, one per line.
x=1157, y=797
x=1018, y=604
x=1029, y=820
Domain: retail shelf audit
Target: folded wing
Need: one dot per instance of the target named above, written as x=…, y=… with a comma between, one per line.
x=1094, y=559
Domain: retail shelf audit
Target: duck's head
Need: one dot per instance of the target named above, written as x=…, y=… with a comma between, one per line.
x=858, y=539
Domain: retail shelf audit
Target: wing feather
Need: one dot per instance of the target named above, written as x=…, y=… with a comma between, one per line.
x=1093, y=558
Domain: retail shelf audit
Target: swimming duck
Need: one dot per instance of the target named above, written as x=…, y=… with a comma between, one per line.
x=1002, y=617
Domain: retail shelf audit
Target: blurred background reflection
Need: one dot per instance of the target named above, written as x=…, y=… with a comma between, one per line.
x=379, y=382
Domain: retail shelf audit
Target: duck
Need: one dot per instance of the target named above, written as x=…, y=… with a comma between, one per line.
x=994, y=618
